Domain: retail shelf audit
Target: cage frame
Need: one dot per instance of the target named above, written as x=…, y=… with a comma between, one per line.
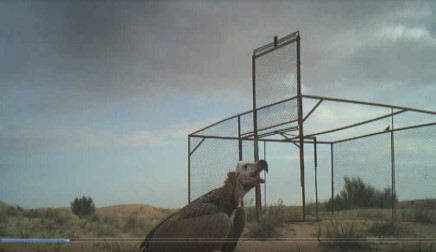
x=300, y=139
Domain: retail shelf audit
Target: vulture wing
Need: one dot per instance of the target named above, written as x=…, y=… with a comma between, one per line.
x=238, y=226
x=197, y=227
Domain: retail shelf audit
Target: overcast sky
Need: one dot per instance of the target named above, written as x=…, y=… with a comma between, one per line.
x=97, y=97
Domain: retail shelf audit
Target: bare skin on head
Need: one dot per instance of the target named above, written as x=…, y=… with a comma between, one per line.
x=214, y=221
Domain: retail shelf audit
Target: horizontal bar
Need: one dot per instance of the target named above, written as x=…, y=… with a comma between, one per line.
x=386, y=131
x=257, y=55
x=244, y=113
x=289, y=129
x=216, y=123
x=285, y=40
x=277, y=103
x=260, y=139
x=248, y=134
x=356, y=124
x=369, y=104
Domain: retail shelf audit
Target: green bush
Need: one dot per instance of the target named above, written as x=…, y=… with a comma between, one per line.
x=13, y=211
x=83, y=207
x=358, y=194
x=3, y=223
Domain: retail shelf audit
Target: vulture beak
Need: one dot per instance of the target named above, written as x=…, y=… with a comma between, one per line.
x=262, y=165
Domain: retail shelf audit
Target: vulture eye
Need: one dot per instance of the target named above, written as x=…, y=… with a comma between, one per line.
x=245, y=166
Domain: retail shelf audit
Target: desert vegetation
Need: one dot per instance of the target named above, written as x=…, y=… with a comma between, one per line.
x=357, y=226
x=358, y=194
x=83, y=207
x=272, y=219
x=62, y=222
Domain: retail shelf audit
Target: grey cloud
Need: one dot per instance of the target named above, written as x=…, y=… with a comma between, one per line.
x=102, y=53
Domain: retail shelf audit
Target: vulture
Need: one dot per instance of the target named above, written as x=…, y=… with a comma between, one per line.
x=213, y=221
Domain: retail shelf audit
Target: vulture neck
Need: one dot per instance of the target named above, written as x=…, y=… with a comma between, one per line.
x=231, y=194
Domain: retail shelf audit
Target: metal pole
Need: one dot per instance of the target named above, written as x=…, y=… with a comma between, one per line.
x=255, y=142
x=240, y=145
x=332, y=178
x=316, y=178
x=301, y=132
x=264, y=174
x=393, y=167
x=239, y=139
x=189, y=169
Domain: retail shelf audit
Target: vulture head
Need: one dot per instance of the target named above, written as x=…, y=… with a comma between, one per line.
x=248, y=173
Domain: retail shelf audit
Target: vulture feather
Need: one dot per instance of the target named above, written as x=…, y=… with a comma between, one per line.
x=212, y=222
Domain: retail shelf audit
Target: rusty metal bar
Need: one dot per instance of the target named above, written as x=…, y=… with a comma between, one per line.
x=189, y=169
x=255, y=143
x=393, y=168
x=239, y=139
x=294, y=128
x=290, y=140
x=385, y=131
x=264, y=174
x=242, y=114
x=258, y=52
x=356, y=124
x=221, y=121
x=332, y=178
x=313, y=109
x=198, y=145
x=369, y=104
x=315, y=156
x=248, y=134
x=301, y=132
x=277, y=103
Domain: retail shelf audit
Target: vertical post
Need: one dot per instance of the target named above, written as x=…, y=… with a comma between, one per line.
x=301, y=132
x=332, y=178
x=393, y=168
x=240, y=145
x=264, y=174
x=239, y=139
x=189, y=169
x=316, y=177
x=255, y=142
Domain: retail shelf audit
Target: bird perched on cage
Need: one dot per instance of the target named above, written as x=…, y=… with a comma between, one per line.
x=212, y=222
x=388, y=128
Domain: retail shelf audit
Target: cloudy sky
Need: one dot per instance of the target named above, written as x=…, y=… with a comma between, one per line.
x=97, y=97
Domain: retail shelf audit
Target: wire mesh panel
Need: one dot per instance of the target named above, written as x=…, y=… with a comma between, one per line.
x=278, y=117
x=225, y=128
x=318, y=181
x=248, y=156
x=275, y=80
x=283, y=179
x=210, y=163
x=415, y=170
x=362, y=178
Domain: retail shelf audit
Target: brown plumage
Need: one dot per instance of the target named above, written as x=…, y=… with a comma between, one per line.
x=212, y=222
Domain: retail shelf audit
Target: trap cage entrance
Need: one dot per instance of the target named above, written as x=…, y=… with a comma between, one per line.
x=329, y=158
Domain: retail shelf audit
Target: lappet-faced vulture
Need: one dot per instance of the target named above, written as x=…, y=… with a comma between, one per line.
x=212, y=222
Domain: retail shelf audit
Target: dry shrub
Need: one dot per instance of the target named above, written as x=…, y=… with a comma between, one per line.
x=272, y=219
x=341, y=237
x=423, y=211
